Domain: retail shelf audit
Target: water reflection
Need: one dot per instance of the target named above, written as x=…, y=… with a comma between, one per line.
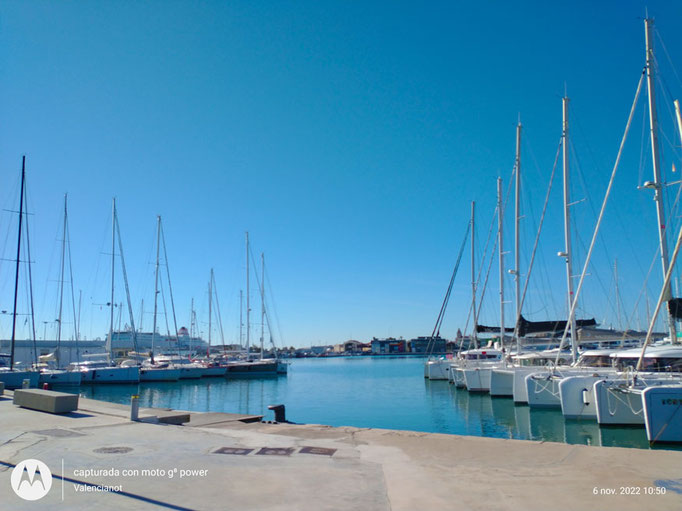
x=370, y=392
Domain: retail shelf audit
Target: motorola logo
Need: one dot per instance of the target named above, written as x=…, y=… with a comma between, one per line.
x=31, y=479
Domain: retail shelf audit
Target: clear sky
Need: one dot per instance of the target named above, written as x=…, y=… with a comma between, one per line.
x=348, y=138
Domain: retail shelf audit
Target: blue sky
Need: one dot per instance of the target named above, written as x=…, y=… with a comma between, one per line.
x=348, y=138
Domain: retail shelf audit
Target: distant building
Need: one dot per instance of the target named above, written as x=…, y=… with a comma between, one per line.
x=26, y=352
x=320, y=350
x=388, y=346
x=352, y=346
x=428, y=345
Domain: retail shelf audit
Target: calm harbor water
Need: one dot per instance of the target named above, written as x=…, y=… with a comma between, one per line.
x=376, y=392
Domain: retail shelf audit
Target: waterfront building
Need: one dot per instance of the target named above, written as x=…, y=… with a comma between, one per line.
x=388, y=346
x=428, y=345
x=320, y=350
x=26, y=351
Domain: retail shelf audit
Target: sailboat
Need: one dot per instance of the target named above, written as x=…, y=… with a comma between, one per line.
x=57, y=375
x=613, y=395
x=102, y=369
x=152, y=370
x=210, y=366
x=248, y=367
x=13, y=377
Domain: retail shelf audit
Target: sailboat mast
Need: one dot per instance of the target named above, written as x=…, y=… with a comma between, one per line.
x=61, y=288
x=210, y=311
x=500, y=217
x=517, y=217
x=156, y=280
x=262, y=303
x=248, y=308
x=567, y=230
x=16, y=278
x=241, y=316
x=473, y=275
x=113, y=266
x=655, y=155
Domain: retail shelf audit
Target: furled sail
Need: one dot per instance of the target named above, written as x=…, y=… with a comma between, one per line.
x=535, y=327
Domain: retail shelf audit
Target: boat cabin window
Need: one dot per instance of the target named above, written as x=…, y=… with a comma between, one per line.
x=595, y=361
x=663, y=364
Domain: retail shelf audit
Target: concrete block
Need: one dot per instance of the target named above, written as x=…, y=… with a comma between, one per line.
x=46, y=400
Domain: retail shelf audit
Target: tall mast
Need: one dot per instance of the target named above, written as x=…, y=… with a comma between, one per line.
x=113, y=254
x=473, y=274
x=262, y=303
x=655, y=155
x=500, y=216
x=248, y=308
x=16, y=278
x=61, y=288
x=517, y=216
x=567, y=230
x=156, y=280
x=241, y=316
x=210, y=303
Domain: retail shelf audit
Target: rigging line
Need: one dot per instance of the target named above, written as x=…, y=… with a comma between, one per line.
x=601, y=216
x=642, y=291
x=454, y=274
x=30, y=287
x=670, y=60
x=599, y=281
x=586, y=190
x=431, y=345
x=76, y=328
x=170, y=287
x=537, y=239
x=274, y=307
x=485, y=250
x=487, y=274
x=127, y=289
x=220, y=319
x=165, y=308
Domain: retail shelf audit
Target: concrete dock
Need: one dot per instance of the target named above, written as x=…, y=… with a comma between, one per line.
x=225, y=461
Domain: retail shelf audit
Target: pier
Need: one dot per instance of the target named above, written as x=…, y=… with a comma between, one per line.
x=182, y=460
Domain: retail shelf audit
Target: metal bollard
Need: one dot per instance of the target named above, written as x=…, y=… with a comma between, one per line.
x=26, y=384
x=134, y=407
x=280, y=414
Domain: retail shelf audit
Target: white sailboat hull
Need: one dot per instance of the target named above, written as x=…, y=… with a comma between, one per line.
x=663, y=413
x=438, y=369
x=477, y=379
x=15, y=379
x=111, y=375
x=60, y=377
x=502, y=382
x=191, y=373
x=618, y=405
x=577, y=397
x=543, y=390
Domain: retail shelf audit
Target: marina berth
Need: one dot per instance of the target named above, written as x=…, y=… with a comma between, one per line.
x=542, y=387
x=502, y=378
